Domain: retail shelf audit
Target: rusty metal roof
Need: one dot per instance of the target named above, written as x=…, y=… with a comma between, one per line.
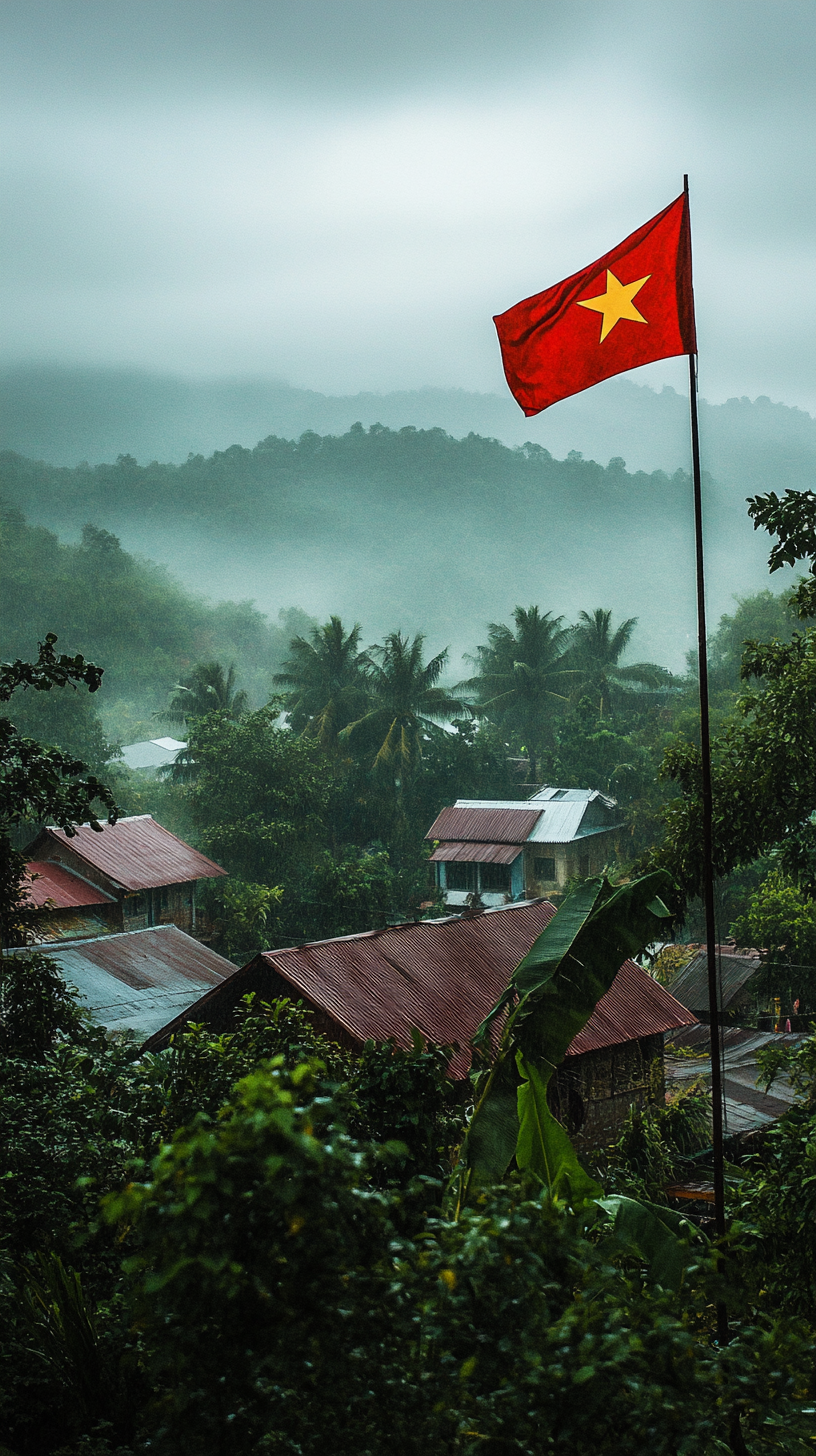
x=443, y=976
x=140, y=980
x=498, y=826
x=54, y=882
x=566, y=815
x=689, y=985
x=635, y=1005
x=476, y=853
x=136, y=853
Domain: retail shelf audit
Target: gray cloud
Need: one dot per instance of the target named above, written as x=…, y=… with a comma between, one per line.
x=343, y=194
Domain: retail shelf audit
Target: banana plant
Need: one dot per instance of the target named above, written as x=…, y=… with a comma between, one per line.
x=551, y=996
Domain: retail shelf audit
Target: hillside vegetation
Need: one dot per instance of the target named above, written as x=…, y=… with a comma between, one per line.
x=129, y=614
x=406, y=527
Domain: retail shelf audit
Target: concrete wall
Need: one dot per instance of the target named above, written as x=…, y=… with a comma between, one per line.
x=581, y=857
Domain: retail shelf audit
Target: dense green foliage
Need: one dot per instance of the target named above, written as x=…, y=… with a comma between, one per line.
x=311, y=1321
x=288, y=1286
x=242, y=485
x=238, y=1245
x=524, y=676
x=38, y=782
x=763, y=766
x=129, y=614
x=546, y=1004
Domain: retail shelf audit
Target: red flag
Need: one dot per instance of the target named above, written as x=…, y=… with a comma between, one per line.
x=629, y=308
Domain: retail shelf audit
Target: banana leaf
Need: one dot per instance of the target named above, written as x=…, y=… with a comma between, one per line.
x=552, y=994
x=543, y=1147
x=660, y=1235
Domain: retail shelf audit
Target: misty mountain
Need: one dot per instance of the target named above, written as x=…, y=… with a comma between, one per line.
x=415, y=529
x=66, y=416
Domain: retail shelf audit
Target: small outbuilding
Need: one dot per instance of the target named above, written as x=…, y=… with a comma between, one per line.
x=127, y=876
x=151, y=754
x=441, y=977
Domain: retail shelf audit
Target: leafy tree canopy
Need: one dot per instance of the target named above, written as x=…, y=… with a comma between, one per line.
x=324, y=678
x=406, y=702
x=524, y=677
x=40, y=784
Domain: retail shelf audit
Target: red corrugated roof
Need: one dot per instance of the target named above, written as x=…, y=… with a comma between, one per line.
x=497, y=826
x=58, y=884
x=443, y=976
x=144, y=959
x=635, y=1005
x=138, y=854
x=476, y=853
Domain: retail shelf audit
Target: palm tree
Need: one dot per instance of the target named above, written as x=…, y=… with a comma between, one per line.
x=596, y=650
x=407, y=703
x=523, y=677
x=208, y=689
x=326, y=680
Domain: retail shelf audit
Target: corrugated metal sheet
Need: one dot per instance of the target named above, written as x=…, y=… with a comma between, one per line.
x=690, y=984
x=476, y=853
x=443, y=976
x=572, y=796
x=560, y=821
x=563, y=823
x=56, y=883
x=497, y=826
x=634, y=1006
x=140, y=980
x=79, y=924
x=137, y=853
x=747, y=1107
x=152, y=752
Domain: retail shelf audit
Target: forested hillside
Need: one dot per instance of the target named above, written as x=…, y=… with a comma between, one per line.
x=406, y=527
x=66, y=415
x=128, y=614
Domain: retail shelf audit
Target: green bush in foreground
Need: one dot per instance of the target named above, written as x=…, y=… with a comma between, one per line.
x=280, y=1309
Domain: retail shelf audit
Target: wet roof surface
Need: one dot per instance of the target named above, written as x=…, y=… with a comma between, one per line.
x=443, y=977
x=747, y=1106
x=67, y=890
x=492, y=825
x=451, y=852
x=140, y=980
x=137, y=853
x=690, y=984
x=577, y=814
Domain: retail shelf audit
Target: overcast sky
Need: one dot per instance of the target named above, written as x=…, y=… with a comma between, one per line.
x=340, y=194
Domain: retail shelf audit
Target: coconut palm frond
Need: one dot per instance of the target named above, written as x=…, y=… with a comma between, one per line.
x=208, y=689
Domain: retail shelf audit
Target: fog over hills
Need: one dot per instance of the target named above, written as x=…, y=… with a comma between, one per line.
x=409, y=527
x=65, y=416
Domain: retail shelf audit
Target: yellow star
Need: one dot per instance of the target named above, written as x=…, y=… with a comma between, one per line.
x=616, y=303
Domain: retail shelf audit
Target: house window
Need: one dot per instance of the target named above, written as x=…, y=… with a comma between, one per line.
x=495, y=878
x=461, y=876
x=583, y=866
x=544, y=868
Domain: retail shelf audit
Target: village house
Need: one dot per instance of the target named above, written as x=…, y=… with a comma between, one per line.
x=504, y=850
x=129, y=876
x=441, y=977
x=137, y=981
x=151, y=755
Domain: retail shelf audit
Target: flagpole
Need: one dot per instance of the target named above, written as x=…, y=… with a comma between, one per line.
x=708, y=834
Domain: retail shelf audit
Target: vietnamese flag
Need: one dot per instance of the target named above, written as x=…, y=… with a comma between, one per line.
x=629, y=308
